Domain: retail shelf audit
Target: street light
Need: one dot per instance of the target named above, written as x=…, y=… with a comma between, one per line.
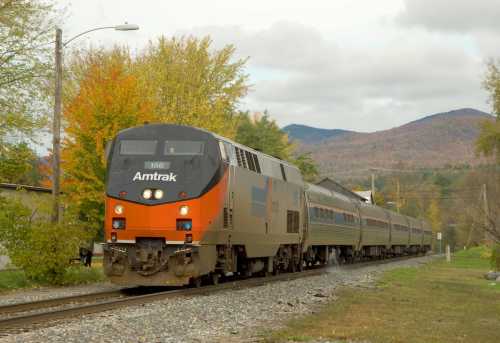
x=56, y=122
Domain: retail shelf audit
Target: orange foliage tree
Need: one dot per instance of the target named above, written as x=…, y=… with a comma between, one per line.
x=108, y=99
x=181, y=81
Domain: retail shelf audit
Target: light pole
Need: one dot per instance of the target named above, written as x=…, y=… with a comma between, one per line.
x=56, y=121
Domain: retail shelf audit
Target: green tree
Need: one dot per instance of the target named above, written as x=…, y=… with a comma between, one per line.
x=26, y=29
x=263, y=134
x=16, y=163
x=34, y=244
x=488, y=142
x=307, y=166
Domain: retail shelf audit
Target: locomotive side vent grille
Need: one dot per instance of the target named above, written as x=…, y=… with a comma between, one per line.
x=226, y=217
x=247, y=160
x=256, y=162
x=238, y=157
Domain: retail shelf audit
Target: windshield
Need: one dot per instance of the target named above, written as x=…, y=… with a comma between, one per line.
x=137, y=147
x=189, y=148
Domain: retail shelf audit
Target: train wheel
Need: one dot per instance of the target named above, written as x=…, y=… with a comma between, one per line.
x=214, y=278
x=197, y=282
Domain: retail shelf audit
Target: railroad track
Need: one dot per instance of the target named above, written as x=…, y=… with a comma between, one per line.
x=30, y=320
x=47, y=312
x=9, y=310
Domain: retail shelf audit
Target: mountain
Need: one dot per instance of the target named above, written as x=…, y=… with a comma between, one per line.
x=310, y=134
x=435, y=141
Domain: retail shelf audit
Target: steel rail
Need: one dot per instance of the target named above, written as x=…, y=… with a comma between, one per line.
x=53, y=302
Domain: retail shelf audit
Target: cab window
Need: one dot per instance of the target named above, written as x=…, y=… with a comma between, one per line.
x=137, y=147
x=183, y=148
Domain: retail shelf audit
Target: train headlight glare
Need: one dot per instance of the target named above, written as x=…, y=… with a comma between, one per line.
x=147, y=194
x=184, y=210
x=158, y=194
x=119, y=209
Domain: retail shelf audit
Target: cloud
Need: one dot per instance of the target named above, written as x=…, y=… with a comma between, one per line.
x=362, y=65
x=282, y=46
x=304, y=77
x=452, y=15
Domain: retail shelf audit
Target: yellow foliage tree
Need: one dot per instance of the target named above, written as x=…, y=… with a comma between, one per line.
x=108, y=99
x=193, y=85
x=434, y=215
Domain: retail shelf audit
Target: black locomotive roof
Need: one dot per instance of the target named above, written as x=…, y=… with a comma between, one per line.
x=160, y=130
x=163, y=165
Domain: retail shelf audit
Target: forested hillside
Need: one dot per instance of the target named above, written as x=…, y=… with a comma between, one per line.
x=435, y=141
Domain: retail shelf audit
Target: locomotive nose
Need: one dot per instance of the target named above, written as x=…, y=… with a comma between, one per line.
x=174, y=222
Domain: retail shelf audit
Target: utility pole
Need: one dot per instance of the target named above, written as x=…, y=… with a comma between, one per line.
x=397, y=195
x=56, y=121
x=56, y=130
x=373, y=187
x=486, y=211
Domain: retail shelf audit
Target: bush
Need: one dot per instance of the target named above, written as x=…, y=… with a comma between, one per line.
x=495, y=257
x=77, y=275
x=42, y=249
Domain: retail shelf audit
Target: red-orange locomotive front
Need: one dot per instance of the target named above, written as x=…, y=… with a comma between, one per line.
x=165, y=192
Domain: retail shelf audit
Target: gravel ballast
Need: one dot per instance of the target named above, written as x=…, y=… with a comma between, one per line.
x=226, y=316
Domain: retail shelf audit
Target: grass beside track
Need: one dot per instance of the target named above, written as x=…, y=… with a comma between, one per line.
x=74, y=275
x=439, y=302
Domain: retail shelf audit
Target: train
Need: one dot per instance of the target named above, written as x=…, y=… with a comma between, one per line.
x=186, y=206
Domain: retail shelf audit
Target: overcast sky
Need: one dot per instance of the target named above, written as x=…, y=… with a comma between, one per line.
x=353, y=64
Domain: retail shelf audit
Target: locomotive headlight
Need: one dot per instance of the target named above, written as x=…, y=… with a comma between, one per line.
x=119, y=209
x=147, y=194
x=184, y=210
x=158, y=194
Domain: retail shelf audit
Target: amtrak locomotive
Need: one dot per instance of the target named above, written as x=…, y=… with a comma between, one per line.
x=184, y=204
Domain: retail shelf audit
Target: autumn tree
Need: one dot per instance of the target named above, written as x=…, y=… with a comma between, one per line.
x=109, y=98
x=434, y=215
x=177, y=81
x=193, y=84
